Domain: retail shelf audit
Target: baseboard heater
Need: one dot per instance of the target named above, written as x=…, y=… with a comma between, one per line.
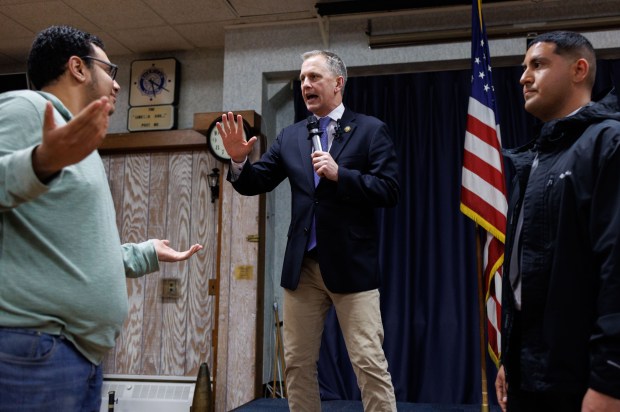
x=137, y=393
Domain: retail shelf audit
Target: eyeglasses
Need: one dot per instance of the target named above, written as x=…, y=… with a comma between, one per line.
x=113, y=69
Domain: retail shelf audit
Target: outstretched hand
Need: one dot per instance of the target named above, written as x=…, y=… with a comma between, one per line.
x=68, y=144
x=232, y=137
x=167, y=254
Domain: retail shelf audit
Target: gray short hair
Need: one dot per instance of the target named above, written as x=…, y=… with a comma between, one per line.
x=334, y=63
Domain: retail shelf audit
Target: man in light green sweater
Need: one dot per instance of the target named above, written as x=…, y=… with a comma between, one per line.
x=63, y=296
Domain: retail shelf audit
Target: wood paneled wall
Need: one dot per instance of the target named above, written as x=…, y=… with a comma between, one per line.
x=162, y=192
x=166, y=195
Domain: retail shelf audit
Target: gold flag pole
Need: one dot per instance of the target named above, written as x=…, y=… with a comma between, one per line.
x=482, y=316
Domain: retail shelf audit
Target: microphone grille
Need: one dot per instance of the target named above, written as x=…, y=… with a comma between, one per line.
x=313, y=123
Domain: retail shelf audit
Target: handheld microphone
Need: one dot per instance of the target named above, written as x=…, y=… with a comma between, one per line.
x=314, y=133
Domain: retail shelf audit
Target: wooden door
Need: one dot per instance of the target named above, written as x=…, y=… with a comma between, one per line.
x=166, y=195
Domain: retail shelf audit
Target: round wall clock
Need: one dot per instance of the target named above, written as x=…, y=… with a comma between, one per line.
x=214, y=140
x=154, y=82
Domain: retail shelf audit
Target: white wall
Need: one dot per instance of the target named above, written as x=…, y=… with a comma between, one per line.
x=200, y=85
x=200, y=90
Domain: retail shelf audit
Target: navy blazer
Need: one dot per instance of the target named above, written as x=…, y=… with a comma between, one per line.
x=346, y=227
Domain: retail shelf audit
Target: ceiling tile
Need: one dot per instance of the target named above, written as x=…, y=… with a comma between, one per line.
x=40, y=15
x=208, y=36
x=117, y=14
x=112, y=46
x=258, y=8
x=192, y=11
x=7, y=60
x=9, y=28
x=16, y=48
x=151, y=39
x=144, y=26
x=8, y=2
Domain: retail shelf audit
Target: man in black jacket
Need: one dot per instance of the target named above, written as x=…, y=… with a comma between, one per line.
x=561, y=285
x=331, y=253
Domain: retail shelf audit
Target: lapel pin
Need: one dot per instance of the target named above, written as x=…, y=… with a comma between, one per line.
x=347, y=129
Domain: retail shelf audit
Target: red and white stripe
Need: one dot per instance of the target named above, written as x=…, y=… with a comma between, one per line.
x=483, y=199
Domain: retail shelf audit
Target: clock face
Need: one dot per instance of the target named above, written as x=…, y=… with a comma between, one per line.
x=215, y=141
x=153, y=82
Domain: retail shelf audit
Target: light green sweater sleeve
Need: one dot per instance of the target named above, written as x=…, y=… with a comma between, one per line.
x=18, y=182
x=62, y=266
x=140, y=259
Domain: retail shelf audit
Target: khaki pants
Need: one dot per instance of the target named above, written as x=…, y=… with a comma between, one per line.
x=359, y=316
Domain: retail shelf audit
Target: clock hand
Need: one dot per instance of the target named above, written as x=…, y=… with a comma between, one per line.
x=153, y=84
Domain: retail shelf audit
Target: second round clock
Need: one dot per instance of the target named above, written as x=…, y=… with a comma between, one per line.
x=214, y=140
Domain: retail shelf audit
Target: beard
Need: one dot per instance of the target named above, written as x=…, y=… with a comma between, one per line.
x=94, y=93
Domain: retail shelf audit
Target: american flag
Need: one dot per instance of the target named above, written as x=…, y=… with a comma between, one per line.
x=483, y=190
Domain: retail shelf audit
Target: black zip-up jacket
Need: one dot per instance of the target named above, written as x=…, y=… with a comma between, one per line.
x=567, y=334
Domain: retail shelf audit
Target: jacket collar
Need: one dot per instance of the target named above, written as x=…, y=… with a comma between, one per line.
x=344, y=130
x=564, y=131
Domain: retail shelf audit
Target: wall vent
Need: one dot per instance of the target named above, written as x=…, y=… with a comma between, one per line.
x=148, y=393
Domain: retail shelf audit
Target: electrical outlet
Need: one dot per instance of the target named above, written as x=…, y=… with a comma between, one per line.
x=170, y=288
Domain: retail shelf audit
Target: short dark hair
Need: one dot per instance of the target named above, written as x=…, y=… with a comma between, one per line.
x=51, y=51
x=570, y=44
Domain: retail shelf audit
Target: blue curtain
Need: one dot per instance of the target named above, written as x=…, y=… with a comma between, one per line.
x=429, y=295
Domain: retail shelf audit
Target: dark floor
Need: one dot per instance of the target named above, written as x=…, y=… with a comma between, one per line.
x=281, y=405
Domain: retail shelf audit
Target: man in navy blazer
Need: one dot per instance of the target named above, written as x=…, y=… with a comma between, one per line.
x=331, y=253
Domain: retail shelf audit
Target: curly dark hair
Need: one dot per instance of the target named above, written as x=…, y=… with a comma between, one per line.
x=51, y=50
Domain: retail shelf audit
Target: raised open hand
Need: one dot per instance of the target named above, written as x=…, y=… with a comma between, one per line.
x=68, y=144
x=232, y=137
